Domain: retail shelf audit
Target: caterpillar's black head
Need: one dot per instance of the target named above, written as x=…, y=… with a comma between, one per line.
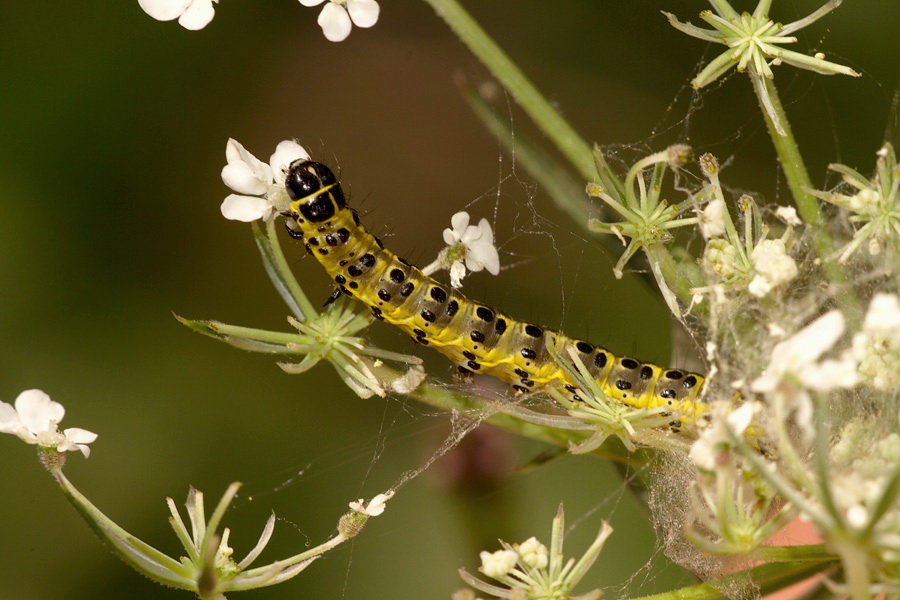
x=316, y=188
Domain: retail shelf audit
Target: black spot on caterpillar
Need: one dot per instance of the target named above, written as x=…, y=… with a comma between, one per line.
x=475, y=337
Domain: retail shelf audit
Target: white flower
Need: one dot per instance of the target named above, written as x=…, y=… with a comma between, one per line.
x=772, y=265
x=259, y=186
x=717, y=437
x=35, y=418
x=191, y=14
x=469, y=247
x=534, y=554
x=498, y=564
x=338, y=16
x=788, y=214
x=877, y=346
x=374, y=507
x=796, y=357
x=712, y=219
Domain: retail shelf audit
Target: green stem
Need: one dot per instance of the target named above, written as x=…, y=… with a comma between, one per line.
x=288, y=279
x=572, y=145
x=812, y=552
x=799, y=183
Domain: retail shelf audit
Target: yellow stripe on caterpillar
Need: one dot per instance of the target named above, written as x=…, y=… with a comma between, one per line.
x=475, y=337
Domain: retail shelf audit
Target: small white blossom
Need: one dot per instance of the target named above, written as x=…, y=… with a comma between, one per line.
x=797, y=356
x=773, y=267
x=498, y=564
x=469, y=247
x=712, y=219
x=717, y=437
x=339, y=16
x=534, y=554
x=259, y=186
x=35, y=418
x=374, y=507
x=788, y=214
x=191, y=14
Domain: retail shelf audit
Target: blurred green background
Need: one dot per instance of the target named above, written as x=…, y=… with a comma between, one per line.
x=113, y=135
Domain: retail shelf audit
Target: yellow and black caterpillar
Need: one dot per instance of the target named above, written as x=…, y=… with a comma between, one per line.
x=478, y=339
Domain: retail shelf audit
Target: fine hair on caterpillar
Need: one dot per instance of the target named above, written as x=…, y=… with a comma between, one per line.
x=475, y=337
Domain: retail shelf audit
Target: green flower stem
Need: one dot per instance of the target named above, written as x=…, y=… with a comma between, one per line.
x=113, y=535
x=566, y=190
x=771, y=576
x=799, y=183
x=287, y=284
x=572, y=145
x=809, y=553
x=681, y=276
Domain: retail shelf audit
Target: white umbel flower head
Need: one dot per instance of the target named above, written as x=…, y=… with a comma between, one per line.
x=191, y=14
x=498, y=564
x=35, y=418
x=259, y=186
x=534, y=554
x=772, y=265
x=339, y=16
x=469, y=247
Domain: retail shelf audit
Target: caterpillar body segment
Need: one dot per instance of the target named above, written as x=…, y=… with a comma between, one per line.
x=475, y=337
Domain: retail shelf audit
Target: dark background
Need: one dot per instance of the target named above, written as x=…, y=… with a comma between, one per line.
x=113, y=135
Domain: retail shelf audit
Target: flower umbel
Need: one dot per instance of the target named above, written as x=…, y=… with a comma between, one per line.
x=35, y=419
x=339, y=16
x=754, y=41
x=259, y=186
x=207, y=568
x=875, y=202
x=468, y=247
x=531, y=571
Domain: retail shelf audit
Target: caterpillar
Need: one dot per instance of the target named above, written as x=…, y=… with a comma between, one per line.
x=475, y=337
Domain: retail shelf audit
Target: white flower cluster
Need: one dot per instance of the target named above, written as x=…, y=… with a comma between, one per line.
x=532, y=571
x=336, y=19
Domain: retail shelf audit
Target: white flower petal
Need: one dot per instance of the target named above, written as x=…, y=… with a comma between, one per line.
x=457, y=273
x=788, y=214
x=77, y=439
x=235, y=152
x=335, y=22
x=363, y=12
x=198, y=15
x=38, y=412
x=164, y=10
x=883, y=314
x=9, y=418
x=460, y=223
x=740, y=418
x=311, y=2
x=712, y=219
x=245, y=208
x=286, y=152
x=800, y=350
x=241, y=178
